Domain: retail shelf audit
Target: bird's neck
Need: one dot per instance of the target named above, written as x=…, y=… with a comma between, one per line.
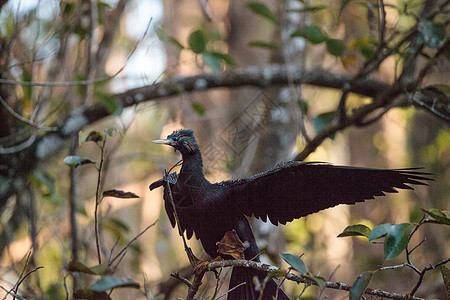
x=192, y=164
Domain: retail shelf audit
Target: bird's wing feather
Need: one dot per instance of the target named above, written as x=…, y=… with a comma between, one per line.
x=295, y=189
x=163, y=182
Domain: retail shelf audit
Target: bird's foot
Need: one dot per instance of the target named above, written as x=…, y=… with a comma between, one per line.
x=202, y=265
x=232, y=245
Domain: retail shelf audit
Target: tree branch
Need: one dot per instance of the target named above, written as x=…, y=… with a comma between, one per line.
x=300, y=279
x=262, y=77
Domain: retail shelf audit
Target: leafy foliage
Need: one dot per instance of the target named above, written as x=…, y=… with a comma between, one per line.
x=396, y=240
x=356, y=230
x=262, y=10
x=360, y=285
x=294, y=262
x=74, y=161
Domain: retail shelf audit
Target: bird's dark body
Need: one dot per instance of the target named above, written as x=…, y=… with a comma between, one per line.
x=290, y=190
x=199, y=208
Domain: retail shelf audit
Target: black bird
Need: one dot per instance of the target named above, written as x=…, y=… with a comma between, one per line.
x=289, y=191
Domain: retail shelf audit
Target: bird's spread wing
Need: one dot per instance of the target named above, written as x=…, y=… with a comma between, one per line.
x=295, y=189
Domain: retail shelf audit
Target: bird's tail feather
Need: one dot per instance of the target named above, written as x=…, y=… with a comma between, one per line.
x=239, y=291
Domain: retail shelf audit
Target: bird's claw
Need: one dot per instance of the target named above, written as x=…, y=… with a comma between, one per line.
x=232, y=245
x=171, y=178
x=202, y=265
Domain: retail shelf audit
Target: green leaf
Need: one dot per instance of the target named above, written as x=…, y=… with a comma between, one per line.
x=441, y=216
x=76, y=266
x=379, y=231
x=396, y=240
x=443, y=88
x=119, y=194
x=320, y=281
x=355, y=230
x=225, y=57
x=109, y=131
x=176, y=42
x=277, y=273
x=102, y=269
x=415, y=214
x=446, y=277
x=309, y=9
x=43, y=182
x=94, y=136
x=295, y=262
x=263, y=45
x=197, y=41
x=79, y=88
x=82, y=136
x=367, y=52
x=109, y=102
x=323, y=120
x=211, y=61
x=75, y=161
x=312, y=33
x=262, y=10
x=27, y=89
x=360, y=285
x=432, y=34
x=162, y=36
x=110, y=282
x=303, y=106
x=335, y=47
x=198, y=108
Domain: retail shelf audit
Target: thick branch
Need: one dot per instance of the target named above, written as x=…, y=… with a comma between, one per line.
x=302, y=279
x=262, y=77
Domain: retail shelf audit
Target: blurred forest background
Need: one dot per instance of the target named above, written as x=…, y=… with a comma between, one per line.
x=363, y=83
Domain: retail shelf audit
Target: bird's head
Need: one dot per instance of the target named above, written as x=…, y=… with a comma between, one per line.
x=182, y=140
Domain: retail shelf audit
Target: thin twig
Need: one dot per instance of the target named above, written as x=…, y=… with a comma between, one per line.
x=218, y=284
x=381, y=26
x=181, y=278
x=422, y=274
x=130, y=242
x=80, y=82
x=11, y=293
x=73, y=200
x=27, y=261
x=305, y=286
x=232, y=289
x=24, y=120
x=65, y=287
x=97, y=200
x=20, y=147
x=195, y=285
x=24, y=277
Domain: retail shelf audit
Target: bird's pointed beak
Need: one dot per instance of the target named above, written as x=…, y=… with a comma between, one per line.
x=164, y=142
